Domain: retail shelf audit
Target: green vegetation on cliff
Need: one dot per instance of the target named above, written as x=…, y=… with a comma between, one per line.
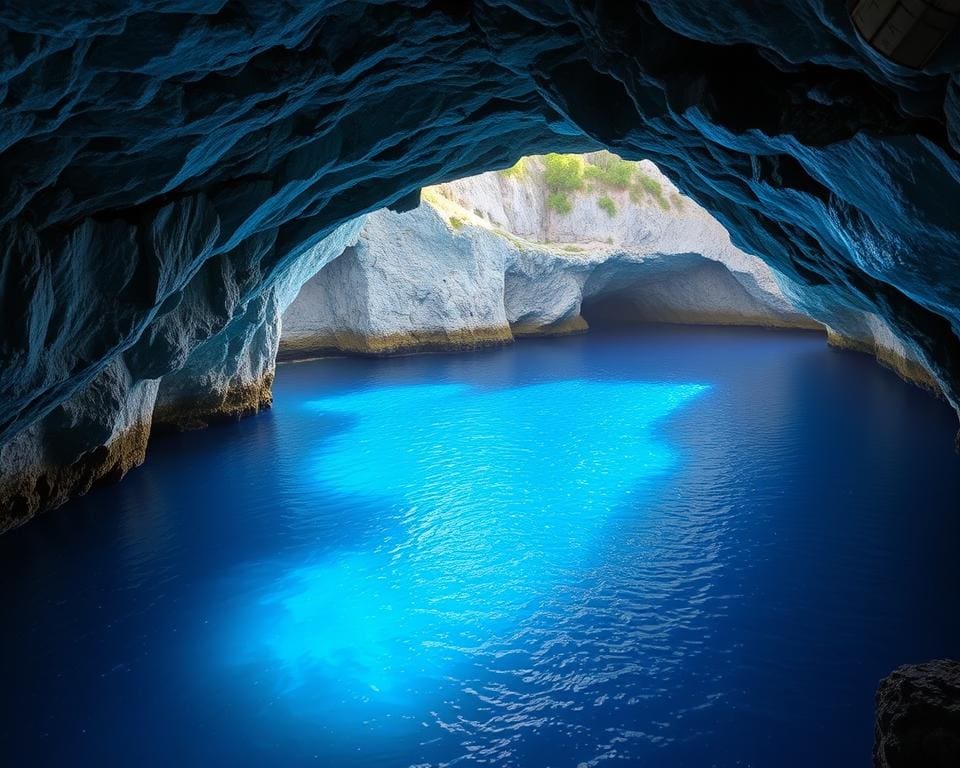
x=609, y=170
x=606, y=204
x=559, y=202
x=650, y=186
x=515, y=171
x=564, y=173
x=567, y=175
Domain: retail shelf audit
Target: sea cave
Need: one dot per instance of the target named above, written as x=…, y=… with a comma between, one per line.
x=511, y=383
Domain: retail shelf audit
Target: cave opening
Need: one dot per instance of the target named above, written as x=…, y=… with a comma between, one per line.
x=613, y=311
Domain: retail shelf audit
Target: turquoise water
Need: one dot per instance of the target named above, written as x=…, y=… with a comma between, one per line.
x=674, y=547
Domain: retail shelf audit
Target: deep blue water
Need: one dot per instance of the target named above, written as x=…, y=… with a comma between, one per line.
x=670, y=548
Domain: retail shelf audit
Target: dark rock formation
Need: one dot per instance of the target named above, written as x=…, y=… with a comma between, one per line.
x=918, y=717
x=164, y=165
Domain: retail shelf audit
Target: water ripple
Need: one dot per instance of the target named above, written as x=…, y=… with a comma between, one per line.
x=683, y=548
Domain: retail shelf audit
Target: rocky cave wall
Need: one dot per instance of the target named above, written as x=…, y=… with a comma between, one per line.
x=164, y=166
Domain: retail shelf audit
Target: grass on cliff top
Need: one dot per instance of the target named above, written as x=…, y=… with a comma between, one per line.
x=516, y=171
x=564, y=173
x=611, y=171
x=567, y=175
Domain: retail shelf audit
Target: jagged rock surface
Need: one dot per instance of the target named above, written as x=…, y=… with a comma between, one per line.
x=230, y=374
x=918, y=717
x=219, y=372
x=458, y=272
x=98, y=434
x=155, y=154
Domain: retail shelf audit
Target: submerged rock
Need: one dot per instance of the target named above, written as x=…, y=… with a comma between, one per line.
x=918, y=717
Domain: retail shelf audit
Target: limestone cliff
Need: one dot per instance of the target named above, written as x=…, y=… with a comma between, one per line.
x=411, y=282
x=485, y=259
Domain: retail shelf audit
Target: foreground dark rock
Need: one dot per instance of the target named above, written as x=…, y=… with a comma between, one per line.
x=918, y=717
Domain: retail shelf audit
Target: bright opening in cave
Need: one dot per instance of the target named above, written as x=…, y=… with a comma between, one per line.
x=574, y=457
x=519, y=252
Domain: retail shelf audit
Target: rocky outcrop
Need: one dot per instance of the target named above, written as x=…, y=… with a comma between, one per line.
x=918, y=717
x=411, y=283
x=484, y=259
x=230, y=374
x=97, y=435
x=101, y=432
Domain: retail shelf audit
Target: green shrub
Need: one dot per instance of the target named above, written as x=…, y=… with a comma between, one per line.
x=515, y=171
x=653, y=188
x=457, y=222
x=606, y=204
x=611, y=170
x=650, y=185
x=559, y=202
x=563, y=173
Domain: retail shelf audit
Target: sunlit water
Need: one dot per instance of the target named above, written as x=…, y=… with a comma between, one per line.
x=671, y=548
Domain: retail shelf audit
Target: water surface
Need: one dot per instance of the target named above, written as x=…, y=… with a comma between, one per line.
x=669, y=548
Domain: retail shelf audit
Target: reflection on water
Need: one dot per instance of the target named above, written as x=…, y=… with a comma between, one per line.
x=487, y=503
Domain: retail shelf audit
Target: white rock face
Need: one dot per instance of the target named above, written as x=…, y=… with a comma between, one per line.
x=411, y=281
x=484, y=259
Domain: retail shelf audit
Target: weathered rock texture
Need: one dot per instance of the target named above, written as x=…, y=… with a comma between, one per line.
x=101, y=431
x=157, y=155
x=98, y=434
x=484, y=259
x=918, y=717
x=410, y=283
x=229, y=374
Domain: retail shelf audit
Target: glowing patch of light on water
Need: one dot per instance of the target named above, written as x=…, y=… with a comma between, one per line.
x=489, y=503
